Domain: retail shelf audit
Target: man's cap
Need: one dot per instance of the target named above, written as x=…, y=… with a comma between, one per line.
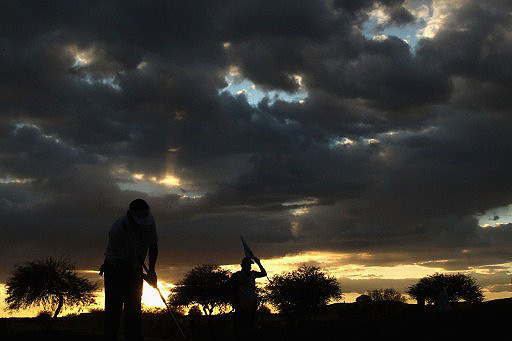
x=247, y=260
x=139, y=205
x=139, y=212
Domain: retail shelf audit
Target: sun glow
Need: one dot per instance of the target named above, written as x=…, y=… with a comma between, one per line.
x=81, y=57
x=300, y=211
x=150, y=296
x=169, y=181
x=138, y=176
x=348, y=265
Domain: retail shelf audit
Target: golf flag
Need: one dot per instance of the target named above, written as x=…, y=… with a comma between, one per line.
x=247, y=249
x=248, y=253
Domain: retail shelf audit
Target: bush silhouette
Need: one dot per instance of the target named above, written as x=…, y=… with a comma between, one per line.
x=264, y=310
x=49, y=283
x=195, y=311
x=205, y=285
x=44, y=315
x=388, y=294
x=302, y=291
x=458, y=287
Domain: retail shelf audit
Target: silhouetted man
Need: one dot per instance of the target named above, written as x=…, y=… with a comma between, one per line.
x=245, y=300
x=129, y=240
x=443, y=302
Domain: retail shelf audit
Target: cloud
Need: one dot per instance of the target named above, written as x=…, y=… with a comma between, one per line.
x=442, y=10
x=89, y=89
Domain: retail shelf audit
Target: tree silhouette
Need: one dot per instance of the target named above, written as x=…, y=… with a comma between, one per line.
x=302, y=291
x=205, y=285
x=388, y=294
x=458, y=287
x=48, y=283
x=194, y=311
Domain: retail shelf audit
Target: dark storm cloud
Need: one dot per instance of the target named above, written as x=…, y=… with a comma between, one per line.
x=37, y=154
x=479, y=40
x=393, y=151
x=384, y=73
x=356, y=6
x=400, y=16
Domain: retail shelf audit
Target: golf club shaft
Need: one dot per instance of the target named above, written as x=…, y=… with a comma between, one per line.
x=166, y=305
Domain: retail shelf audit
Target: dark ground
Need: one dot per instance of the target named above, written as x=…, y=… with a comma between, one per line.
x=344, y=321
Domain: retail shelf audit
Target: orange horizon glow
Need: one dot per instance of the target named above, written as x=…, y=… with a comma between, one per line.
x=334, y=264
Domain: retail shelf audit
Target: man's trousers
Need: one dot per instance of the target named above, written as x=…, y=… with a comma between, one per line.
x=123, y=288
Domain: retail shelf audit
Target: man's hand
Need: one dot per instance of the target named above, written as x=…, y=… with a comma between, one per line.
x=262, y=272
x=102, y=269
x=151, y=278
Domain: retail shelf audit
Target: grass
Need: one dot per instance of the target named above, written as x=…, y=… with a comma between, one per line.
x=374, y=321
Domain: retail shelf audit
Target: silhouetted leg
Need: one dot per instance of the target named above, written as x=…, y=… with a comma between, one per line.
x=247, y=320
x=237, y=321
x=244, y=322
x=251, y=320
x=113, y=304
x=132, y=309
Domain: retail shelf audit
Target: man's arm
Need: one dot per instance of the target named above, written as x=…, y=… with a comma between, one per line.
x=111, y=242
x=234, y=292
x=153, y=255
x=262, y=272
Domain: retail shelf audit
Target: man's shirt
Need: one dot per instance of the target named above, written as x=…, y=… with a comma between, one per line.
x=128, y=243
x=244, y=285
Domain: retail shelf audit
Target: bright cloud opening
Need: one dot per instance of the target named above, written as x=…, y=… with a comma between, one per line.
x=343, y=142
x=300, y=211
x=495, y=216
x=14, y=180
x=82, y=57
x=441, y=12
x=239, y=86
x=168, y=180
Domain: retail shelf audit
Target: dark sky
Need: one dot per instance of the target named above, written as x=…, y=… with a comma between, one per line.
x=391, y=153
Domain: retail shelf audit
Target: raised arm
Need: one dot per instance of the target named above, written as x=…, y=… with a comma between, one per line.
x=262, y=272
